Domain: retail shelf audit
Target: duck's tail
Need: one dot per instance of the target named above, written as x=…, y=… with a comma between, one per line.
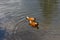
x=27, y=17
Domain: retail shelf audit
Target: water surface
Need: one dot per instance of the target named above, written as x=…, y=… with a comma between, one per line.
x=45, y=11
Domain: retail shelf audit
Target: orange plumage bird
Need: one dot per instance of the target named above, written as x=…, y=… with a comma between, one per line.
x=32, y=22
x=30, y=18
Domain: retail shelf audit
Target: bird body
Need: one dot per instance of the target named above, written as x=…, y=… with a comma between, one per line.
x=30, y=18
x=32, y=22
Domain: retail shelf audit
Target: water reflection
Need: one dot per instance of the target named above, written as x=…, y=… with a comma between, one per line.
x=49, y=8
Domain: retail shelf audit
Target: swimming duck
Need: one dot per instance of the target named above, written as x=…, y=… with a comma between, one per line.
x=30, y=18
x=32, y=22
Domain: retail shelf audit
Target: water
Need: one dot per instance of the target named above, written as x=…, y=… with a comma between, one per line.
x=45, y=11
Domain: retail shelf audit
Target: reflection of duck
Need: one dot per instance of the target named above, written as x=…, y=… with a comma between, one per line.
x=32, y=22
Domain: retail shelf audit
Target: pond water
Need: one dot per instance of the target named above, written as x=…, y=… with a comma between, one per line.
x=47, y=13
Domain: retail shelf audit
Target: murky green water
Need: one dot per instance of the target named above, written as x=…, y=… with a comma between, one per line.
x=45, y=11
